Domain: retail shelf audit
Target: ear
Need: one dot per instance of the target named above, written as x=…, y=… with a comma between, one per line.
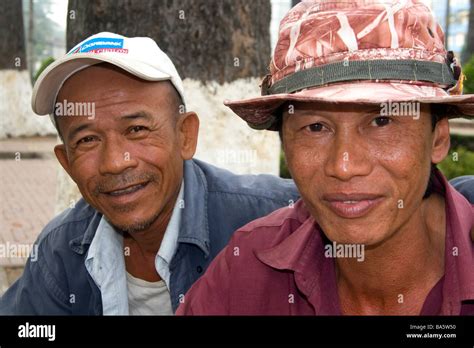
x=61, y=155
x=188, y=129
x=441, y=141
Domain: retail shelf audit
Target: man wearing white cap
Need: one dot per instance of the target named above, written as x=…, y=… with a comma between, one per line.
x=151, y=218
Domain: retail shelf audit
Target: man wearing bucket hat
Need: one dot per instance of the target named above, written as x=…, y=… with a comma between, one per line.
x=152, y=218
x=378, y=230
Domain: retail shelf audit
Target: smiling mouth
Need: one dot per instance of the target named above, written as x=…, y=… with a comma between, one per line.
x=352, y=205
x=127, y=190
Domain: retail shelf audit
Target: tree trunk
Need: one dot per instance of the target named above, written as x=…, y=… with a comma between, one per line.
x=202, y=37
x=12, y=45
x=15, y=95
x=221, y=48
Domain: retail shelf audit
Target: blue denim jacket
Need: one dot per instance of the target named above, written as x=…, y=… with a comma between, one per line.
x=217, y=203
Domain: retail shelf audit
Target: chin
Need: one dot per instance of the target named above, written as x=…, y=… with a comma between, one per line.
x=132, y=222
x=132, y=226
x=355, y=233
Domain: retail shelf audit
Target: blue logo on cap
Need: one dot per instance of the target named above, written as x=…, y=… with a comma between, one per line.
x=98, y=44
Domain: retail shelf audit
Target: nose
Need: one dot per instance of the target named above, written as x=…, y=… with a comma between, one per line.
x=115, y=156
x=349, y=156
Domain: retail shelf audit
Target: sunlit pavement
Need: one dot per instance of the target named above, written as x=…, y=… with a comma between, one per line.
x=28, y=172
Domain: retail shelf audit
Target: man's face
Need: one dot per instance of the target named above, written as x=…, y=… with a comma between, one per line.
x=361, y=175
x=128, y=159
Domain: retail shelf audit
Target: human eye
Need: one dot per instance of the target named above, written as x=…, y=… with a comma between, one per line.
x=381, y=121
x=315, y=127
x=137, y=129
x=86, y=139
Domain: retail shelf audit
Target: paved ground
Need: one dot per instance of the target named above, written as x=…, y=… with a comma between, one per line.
x=28, y=172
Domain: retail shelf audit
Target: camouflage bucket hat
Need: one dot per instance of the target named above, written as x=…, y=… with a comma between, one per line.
x=366, y=52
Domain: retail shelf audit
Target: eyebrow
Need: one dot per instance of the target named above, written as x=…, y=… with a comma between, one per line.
x=137, y=115
x=134, y=116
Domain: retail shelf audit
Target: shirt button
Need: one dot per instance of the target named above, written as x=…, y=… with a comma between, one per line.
x=199, y=269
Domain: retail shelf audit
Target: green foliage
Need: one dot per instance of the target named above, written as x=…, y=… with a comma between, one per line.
x=460, y=161
x=466, y=141
x=468, y=70
x=44, y=65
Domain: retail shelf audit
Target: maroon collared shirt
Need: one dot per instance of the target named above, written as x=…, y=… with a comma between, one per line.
x=276, y=265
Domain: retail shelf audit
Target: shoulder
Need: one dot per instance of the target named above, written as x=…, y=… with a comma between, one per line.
x=464, y=185
x=263, y=186
x=70, y=224
x=269, y=231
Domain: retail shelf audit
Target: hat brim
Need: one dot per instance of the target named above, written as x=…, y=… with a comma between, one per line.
x=259, y=112
x=49, y=83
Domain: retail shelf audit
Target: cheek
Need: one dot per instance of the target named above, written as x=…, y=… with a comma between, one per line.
x=305, y=164
x=403, y=157
x=164, y=158
x=84, y=171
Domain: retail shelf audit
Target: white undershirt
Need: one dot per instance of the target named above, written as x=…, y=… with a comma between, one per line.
x=148, y=298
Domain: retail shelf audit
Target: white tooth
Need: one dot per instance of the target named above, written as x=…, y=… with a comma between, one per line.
x=130, y=189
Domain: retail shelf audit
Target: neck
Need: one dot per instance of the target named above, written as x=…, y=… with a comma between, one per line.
x=141, y=247
x=397, y=275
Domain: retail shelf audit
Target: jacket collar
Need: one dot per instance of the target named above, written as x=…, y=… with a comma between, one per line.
x=81, y=244
x=194, y=223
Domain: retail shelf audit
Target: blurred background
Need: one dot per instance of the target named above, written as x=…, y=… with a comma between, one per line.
x=221, y=49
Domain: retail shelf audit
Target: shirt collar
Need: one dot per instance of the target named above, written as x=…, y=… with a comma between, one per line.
x=106, y=265
x=303, y=253
x=459, y=248
x=170, y=239
x=169, y=244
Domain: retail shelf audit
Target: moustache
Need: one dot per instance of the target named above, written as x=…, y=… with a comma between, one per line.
x=117, y=182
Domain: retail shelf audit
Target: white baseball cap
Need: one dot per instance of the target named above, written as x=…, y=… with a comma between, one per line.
x=139, y=56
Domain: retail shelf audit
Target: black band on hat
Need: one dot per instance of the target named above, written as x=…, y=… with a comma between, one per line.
x=382, y=69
